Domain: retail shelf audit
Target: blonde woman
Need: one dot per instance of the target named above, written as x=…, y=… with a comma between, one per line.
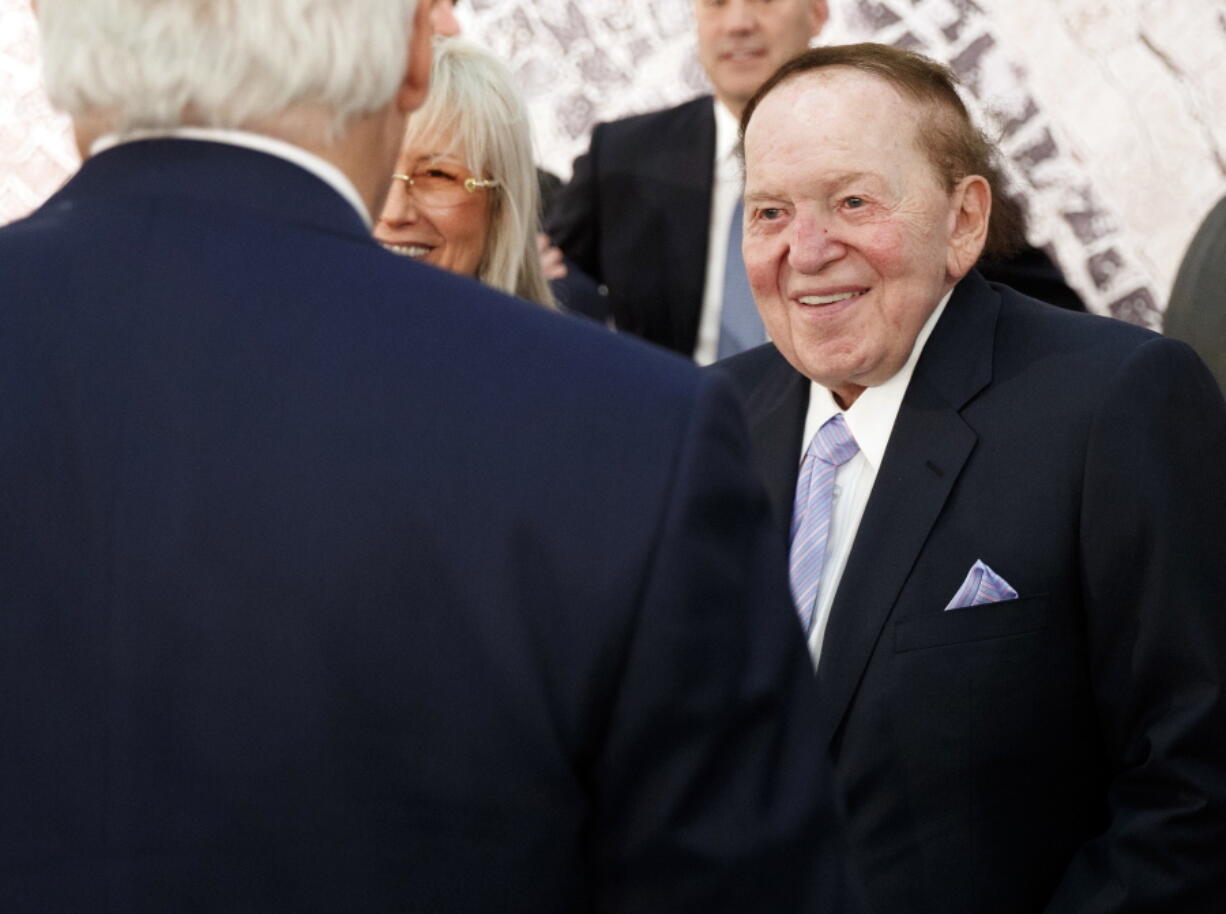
x=465, y=195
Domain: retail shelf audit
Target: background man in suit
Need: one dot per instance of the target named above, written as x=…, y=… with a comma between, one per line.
x=299, y=613
x=651, y=206
x=1006, y=528
x=1197, y=310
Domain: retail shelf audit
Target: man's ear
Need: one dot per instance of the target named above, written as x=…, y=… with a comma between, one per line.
x=416, y=80
x=970, y=210
x=819, y=13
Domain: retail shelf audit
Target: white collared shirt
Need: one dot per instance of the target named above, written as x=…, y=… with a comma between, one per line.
x=322, y=169
x=870, y=420
x=725, y=189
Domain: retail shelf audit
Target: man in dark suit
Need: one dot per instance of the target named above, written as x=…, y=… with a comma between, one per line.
x=1196, y=313
x=1007, y=521
x=332, y=582
x=648, y=210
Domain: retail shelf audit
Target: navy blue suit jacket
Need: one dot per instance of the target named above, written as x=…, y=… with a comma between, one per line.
x=1064, y=751
x=330, y=581
x=636, y=217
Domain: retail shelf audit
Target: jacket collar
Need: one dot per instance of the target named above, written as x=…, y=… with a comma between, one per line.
x=777, y=408
x=231, y=177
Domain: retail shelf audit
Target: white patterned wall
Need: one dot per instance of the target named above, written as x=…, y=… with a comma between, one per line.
x=1112, y=113
x=36, y=151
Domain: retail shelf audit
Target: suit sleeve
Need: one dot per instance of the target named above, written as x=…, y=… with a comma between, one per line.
x=1154, y=578
x=572, y=219
x=713, y=790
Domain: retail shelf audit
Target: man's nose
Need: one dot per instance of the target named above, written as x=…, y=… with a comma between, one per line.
x=741, y=16
x=815, y=242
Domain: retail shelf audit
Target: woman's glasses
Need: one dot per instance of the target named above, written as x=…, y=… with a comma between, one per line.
x=442, y=185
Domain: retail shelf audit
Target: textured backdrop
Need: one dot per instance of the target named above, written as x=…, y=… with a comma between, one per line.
x=1112, y=113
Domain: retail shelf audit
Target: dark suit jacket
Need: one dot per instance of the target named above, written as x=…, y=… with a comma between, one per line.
x=636, y=217
x=330, y=581
x=1197, y=310
x=1064, y=751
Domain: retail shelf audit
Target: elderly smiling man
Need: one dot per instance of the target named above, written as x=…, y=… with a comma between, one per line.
x=1006, y=521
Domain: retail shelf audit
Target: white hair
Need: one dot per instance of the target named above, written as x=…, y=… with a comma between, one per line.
x=474, y=108
x=149, y=64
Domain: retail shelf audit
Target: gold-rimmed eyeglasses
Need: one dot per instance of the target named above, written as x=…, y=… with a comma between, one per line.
x=442, y=185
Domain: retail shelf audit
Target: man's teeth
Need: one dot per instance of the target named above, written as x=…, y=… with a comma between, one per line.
x=827, y=299
x=408, y=250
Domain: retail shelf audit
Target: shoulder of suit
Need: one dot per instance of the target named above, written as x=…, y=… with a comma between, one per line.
x=649, y=125
x=1078, y=353
x=1020, y=312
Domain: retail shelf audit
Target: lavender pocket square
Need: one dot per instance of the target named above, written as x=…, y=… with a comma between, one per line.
x=982, y=585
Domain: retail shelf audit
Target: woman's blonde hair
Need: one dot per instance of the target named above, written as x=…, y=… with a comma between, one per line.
x=474, y=107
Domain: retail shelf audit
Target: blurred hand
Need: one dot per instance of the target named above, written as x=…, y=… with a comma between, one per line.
x=552, y=264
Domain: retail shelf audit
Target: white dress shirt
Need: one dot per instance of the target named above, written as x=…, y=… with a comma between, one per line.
x=324, y=170
x=725, y=190
x=870, y=421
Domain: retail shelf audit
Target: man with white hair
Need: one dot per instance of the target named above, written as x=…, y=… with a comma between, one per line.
x=301, y=610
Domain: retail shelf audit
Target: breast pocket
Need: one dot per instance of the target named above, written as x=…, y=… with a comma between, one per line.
x=971, y=623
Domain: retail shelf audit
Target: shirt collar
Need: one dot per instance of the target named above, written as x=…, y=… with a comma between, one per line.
x=727, y=130
x=322, y=169
x=871, y=418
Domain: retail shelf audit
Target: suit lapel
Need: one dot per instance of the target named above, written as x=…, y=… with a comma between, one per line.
x=928, y=448
x=692, y=166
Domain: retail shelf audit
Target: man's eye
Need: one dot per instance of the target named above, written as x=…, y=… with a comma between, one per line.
x=770, y=213
x=853, y=202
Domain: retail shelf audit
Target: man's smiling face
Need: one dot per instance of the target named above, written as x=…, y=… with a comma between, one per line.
x=850, y=236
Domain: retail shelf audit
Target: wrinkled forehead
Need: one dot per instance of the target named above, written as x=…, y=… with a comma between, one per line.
x=838, y=95
x=833, y=106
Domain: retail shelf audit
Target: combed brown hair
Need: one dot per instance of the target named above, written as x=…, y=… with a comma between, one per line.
x=953, y=144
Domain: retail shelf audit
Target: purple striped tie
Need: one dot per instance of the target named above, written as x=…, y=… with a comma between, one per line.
x=830, y=448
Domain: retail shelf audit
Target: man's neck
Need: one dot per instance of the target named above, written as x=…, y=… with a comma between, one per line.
x=365, y=153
